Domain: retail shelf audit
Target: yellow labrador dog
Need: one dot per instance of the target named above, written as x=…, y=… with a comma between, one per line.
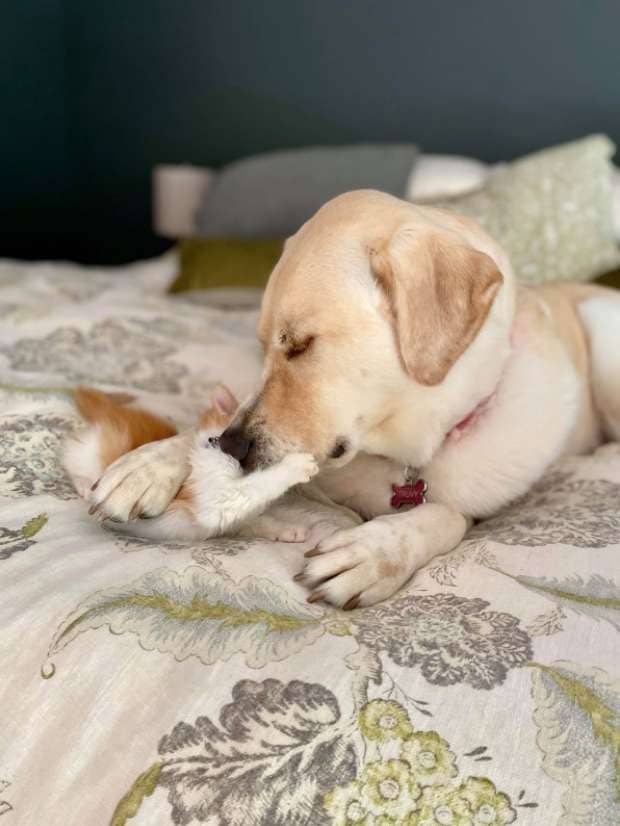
x=431, y=388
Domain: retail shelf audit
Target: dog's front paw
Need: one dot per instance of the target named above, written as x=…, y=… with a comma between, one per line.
x=141, y=483
x=301, y=467
x=356, y=567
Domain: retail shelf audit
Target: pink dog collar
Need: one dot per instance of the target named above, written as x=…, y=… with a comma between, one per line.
x=414, y=491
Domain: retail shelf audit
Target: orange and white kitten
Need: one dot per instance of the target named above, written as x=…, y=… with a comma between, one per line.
x=214, y=496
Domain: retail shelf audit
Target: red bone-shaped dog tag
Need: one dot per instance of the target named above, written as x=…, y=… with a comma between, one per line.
x=412, y=493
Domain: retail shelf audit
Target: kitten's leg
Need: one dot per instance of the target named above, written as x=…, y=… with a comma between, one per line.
x=265, y=486
x=248, y=496
x=274, y=529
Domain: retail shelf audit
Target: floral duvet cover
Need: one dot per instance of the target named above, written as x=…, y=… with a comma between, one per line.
x=175, y=683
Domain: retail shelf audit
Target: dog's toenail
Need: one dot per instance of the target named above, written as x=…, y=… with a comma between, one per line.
x=94, y=487
x=352, y=603
x=298, y=577
x=316, y=596
x=312, y=552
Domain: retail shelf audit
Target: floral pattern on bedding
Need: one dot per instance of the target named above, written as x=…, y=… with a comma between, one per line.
x=192, y=684
x=110, y=352
x=29, y=448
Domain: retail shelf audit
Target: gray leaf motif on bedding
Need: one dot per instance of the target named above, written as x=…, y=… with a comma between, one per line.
x=29, y=465
x=276, y=752
x=111, y=352
x=591, y=519
x=202, y=552
x=452, y=639
x=5, y=806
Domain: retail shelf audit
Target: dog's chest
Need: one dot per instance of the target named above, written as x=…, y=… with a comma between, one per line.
x=367, y=486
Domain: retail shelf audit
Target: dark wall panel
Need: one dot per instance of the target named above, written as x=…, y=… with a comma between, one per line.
x=207, y=81
x=35, y=161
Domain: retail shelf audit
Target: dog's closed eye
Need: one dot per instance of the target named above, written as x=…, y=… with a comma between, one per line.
x=297, y=348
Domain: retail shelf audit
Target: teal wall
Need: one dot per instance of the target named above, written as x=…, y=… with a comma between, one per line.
x=35, y=161
x=98, y=93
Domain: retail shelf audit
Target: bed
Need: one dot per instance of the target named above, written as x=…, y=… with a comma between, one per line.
x=180, y=683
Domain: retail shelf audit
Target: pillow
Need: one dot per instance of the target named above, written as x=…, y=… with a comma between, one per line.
x=552, y=211
x=615, y=188
x=444, y=176
x=225, y=262
x=273, y=194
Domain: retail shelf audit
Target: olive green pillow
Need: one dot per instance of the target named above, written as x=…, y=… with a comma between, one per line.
x=552, y=211
x=225, y=262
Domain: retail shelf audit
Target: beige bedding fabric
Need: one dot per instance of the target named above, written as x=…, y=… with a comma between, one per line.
x=184, y=684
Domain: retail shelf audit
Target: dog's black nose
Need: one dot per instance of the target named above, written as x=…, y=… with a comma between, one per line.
x=233, y=442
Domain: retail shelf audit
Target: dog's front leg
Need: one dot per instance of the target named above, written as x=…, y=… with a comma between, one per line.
x=144, y=481
x=366, y=564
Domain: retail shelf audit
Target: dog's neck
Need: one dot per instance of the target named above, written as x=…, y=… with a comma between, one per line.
x=422, y=419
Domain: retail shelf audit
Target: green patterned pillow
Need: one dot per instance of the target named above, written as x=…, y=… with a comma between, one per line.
x=551, y=211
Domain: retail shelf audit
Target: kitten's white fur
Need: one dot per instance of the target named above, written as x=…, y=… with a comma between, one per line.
x=223, y=500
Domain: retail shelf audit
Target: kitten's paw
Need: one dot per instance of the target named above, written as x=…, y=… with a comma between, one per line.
x=291, y=533
x=301, y=466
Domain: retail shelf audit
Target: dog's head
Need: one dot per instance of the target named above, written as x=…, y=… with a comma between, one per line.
x=372, y=298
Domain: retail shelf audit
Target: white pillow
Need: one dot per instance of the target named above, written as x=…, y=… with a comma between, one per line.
x=178, y=190
x=615, y=187
x=440, y=176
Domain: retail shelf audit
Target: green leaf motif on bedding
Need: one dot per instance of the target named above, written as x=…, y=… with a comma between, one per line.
x=595, y=597
x=129, y=805
x=14, y=540
x=199, y=613
x=34, y=525
x=577, y=712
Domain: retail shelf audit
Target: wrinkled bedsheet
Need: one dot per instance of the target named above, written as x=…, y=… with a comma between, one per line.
x=180, y=683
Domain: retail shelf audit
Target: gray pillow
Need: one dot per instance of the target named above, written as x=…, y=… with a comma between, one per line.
x=274, y=193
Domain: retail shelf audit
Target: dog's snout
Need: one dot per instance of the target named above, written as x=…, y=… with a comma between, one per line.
x=233, y=442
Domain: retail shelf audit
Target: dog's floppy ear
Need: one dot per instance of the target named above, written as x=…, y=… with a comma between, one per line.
x=439, y=293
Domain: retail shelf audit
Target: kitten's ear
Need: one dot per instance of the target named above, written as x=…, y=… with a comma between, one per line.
x=223, y=400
